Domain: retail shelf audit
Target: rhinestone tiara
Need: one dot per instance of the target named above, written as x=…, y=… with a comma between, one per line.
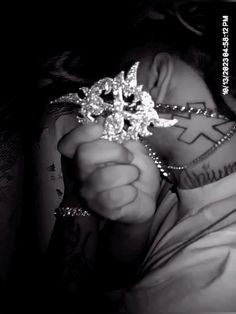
x=127, y=109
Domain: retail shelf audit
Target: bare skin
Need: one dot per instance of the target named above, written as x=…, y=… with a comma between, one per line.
x=121, y=183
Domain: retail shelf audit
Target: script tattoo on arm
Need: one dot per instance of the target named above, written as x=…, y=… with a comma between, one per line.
x=191, y=179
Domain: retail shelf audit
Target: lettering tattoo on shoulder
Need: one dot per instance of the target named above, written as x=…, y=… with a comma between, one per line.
x=190, y=179
x=189, y=136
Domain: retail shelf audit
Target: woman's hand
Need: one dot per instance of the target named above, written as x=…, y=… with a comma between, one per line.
x=117, y=181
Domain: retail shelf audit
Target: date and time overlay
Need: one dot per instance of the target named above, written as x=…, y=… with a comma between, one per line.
x=225, y=54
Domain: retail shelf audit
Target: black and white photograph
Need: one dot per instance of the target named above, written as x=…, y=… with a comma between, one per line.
x=118, y=157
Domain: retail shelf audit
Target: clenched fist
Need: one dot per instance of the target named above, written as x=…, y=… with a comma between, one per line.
x=118, y=181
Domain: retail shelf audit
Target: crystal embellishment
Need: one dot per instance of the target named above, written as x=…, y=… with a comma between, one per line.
x=127, y=109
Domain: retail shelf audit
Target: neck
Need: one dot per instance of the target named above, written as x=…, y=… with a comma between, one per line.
x=188, y=87
x=206, y=152
x=194, y=135
x=205, y=173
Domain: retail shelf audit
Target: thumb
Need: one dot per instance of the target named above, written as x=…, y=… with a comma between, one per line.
x=149, y=180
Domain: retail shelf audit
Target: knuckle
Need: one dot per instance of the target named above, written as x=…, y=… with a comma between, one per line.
x=114, y=195
x=87, y=195
x=114, y=214
x=102, y=205
x=93, y=131
x=81, y=162
x=134, y=172
x=92, y=181
x=104, y=176
x=105, y=200
x=120, y=152
x=102, y=200
x=62, y=147
x=82, y=154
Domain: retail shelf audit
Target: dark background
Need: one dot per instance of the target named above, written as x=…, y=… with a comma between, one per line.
x=34, y=33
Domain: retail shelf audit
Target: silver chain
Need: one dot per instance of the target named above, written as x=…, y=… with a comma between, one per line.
x=164, y=169
x=206, y=154
x=208, y=113
x=67, y=211
x=153, y=155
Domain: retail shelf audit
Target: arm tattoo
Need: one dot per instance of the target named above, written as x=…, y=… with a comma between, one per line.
x=59, y=193
x=190, y=179
x=51, y=168
x=55, y=174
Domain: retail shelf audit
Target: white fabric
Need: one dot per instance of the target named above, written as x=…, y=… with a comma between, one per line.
x=191, y=263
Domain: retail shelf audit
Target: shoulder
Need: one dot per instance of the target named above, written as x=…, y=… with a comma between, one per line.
x=201, y=277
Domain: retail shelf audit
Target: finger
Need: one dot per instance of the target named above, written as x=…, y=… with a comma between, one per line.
x=86, y=133
x=91, y=155
x=110, y=202
x=149, y=179
x=109, y=177
x=140, y=210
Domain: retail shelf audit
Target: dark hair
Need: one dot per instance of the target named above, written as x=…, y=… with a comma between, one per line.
x=192, y=32
x=184, y=29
